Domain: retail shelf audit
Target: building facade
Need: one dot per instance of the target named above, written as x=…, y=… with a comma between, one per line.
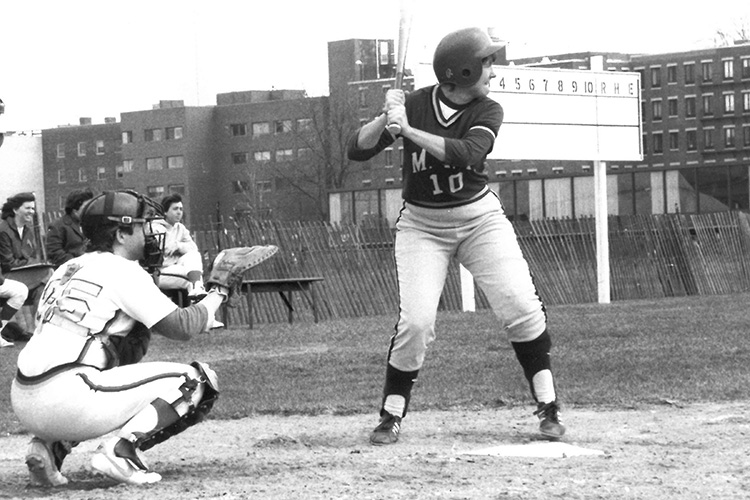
x=280, y=154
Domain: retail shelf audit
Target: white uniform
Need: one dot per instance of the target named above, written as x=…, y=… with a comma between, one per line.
x=66, y=388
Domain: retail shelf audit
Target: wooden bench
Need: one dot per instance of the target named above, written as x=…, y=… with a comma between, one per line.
x=285, y=288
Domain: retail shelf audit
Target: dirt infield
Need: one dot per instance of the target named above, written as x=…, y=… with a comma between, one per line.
x=665, y=451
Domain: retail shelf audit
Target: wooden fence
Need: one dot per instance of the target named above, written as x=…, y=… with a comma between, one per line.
x=650, y=257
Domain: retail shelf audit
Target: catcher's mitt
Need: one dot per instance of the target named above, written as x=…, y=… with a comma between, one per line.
x=230, y=265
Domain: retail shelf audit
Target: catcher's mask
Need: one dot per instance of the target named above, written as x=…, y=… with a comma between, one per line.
x=125, y=208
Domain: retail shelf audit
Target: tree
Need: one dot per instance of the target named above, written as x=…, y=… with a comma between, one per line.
x=740, y=30
x=318, y=162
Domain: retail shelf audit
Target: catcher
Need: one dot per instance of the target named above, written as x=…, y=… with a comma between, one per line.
x=79, y=377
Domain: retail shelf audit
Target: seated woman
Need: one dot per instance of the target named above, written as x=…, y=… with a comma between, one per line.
x=183, y=264
x=18, y=249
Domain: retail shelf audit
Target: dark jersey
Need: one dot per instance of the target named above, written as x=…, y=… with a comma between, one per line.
x=469, y=130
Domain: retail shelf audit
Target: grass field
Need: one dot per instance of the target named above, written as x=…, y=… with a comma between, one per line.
x=620, y=355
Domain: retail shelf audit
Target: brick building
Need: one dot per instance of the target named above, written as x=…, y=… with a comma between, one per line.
x=278, y=153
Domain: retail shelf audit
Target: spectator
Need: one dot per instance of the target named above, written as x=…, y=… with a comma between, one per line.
x=183, y=264
x=17, y=245
x=65, y=239
x=12, y=296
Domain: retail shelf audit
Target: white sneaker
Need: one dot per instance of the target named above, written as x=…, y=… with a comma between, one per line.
x=41, y=464
x=123, y=470
x=197, y=291
x=6, y=343
x=216, y=324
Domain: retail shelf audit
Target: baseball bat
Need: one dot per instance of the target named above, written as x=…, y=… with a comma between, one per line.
x=404, y=28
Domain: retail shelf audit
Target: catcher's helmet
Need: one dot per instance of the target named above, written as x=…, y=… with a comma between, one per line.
x=113, y=209
x=458, y=56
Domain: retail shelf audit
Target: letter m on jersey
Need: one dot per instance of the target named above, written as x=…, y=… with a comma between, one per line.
x=418, y=162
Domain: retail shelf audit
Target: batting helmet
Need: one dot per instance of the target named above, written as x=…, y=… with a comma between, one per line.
x=458, y=56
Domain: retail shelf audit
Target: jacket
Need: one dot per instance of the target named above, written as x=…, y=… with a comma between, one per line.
x=65, y=240
x=15, y=250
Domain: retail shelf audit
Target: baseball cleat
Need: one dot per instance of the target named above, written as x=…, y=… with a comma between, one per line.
x=42, y=470
x=387, y=431
x=120, y=460
x=550, y=425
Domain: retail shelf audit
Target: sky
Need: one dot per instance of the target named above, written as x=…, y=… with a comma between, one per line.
x=62, y=60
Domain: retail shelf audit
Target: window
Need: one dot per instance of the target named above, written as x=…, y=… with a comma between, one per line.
x=304, y=124
x=746, y=101
x=261, y=128
x=689, y=73
x=727, y=69
x=101, y=173
x=729, y=103
x=127, y=165
x=283, y=126
x=100, y=147
x=656, y=109
x=706, y=71
x=175, y=161
x=119, y=171
x=154, y=163
x=239, y=158
x=81, y=149
x=82, y=176
x=304, y=153
x=708, y=104
x=674, y=140
x=729, y=136
x=656, y=77
x=691, y=137
x=389, y=157
x=174, y=133
x=284, y=154
x=672, y=73
x=177, y=188
x=262, y=156
x=690, y=106
x=658, y=143
x=127, y=137
x=708, y=138
x=61, y=177
x=239, y=187
x=155, y=191
x=672, y=105
x=238, y=129
x=746, y=135
x=745, y=67
x=61, y=150
x=264, y=186
x=362, y=95
x=384, y=53
x=152, y=135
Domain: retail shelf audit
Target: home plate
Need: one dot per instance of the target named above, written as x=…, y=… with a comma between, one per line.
x=544, y=449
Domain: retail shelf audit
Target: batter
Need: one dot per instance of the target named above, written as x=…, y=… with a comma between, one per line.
x=449, y=212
